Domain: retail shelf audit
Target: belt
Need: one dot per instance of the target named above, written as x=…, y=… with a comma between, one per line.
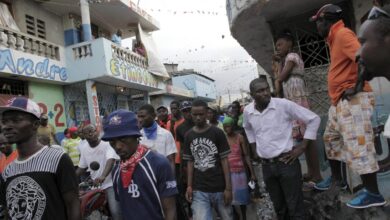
x=273, y=160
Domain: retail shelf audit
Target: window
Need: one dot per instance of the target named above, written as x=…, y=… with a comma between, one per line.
x=13, y=87
x=35, y=27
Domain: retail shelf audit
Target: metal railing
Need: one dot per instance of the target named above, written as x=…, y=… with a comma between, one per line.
x=29, y=44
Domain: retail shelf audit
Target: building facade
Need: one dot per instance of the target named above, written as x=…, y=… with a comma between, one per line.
x=60, y=54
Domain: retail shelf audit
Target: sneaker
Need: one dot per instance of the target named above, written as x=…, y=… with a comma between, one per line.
x=325, y=184
x=366, y=199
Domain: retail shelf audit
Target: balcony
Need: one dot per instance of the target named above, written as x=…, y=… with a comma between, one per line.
x=28, y=56
x=109, y=63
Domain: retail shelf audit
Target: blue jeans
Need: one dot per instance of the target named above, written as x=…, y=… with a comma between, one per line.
x=113, y=204
x=202, y=202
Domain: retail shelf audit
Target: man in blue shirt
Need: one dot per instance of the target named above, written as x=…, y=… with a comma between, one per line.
x=117, y=37
x=143, y=180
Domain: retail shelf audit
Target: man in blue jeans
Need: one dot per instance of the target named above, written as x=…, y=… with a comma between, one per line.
x=206, y=150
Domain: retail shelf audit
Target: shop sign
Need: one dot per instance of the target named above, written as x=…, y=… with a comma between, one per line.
x=20, y=63
x=132, y=73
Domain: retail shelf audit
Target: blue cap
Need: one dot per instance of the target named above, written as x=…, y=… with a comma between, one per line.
x=120, y=123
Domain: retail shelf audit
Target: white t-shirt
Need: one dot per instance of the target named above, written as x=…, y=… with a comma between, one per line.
x=164, y=143
x=101, y=154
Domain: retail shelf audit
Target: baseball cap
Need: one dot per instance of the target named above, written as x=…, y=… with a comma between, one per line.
x=120, y=123
x=185, y=105
x=328, y=10
x=22, y=104
x=160, y=107
x=72, y=130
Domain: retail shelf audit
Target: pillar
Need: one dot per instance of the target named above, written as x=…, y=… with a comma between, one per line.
x=85, y=20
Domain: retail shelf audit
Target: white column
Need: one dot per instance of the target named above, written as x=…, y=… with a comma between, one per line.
x=85, y=20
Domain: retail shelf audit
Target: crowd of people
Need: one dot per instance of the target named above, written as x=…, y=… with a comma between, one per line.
x=191, y=161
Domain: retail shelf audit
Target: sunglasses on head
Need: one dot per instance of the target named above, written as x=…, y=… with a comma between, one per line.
x=376, y=13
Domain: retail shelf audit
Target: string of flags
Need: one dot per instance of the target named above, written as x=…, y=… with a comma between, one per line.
x=187, y=12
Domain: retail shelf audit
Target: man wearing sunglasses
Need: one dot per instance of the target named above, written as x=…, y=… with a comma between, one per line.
x=349, y=135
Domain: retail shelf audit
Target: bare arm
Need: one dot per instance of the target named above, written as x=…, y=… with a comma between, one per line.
x=171, y=159
x=285, y=72
x=169, y=207
x=247, y=159
x=106, y=171
x=190, y=173
x=228, y=183
x=72, y=205
x=253, y=147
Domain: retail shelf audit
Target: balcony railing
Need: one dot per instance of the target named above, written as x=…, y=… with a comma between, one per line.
x=29, y=44
x=128, y=56
x=86, y=50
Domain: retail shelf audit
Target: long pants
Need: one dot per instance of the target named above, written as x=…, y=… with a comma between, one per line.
x=284, y=184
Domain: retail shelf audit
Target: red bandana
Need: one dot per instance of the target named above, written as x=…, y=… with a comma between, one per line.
x=128, y=166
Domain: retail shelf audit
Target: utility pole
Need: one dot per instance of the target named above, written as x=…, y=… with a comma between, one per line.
x=230, y=101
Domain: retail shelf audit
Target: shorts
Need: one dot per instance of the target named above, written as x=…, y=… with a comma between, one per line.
x=349, y=136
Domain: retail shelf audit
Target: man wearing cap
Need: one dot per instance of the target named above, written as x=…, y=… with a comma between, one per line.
x=143, y=180
x=40, y=183
x=96, y=150
x=348, y=135
x=178, y=125
x=163, y=117
x=71, y=146
x=153, y=136
x=47, y=129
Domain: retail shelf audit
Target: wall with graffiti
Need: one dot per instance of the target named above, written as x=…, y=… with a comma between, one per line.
x=20, y=63
x=51, y=100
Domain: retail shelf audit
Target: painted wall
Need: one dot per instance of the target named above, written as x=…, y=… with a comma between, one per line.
x=54, y=26
x=50, y=98
x=29, y=65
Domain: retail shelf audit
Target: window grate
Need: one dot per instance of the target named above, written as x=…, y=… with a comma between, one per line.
x=35, y=27
x=13, y=87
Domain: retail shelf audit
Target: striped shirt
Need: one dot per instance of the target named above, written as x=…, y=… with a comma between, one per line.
x=70, y=147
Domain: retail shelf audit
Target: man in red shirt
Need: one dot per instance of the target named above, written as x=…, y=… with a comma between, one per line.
x=349, y=135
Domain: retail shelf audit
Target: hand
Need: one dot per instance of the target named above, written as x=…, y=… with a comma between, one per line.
x=227, y=196
x=99, y=180
x=276, y=57
x=290, y=157
x=189, y=194
x=348, y=94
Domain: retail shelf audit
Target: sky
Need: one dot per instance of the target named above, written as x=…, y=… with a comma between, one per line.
x=201, y=41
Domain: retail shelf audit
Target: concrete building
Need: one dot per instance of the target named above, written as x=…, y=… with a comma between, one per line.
x=59, y=53
x=255, y=24
x=203, y=87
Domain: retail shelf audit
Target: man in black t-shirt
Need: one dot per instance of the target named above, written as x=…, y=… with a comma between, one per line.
x=41, y=182
x=206, y=150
